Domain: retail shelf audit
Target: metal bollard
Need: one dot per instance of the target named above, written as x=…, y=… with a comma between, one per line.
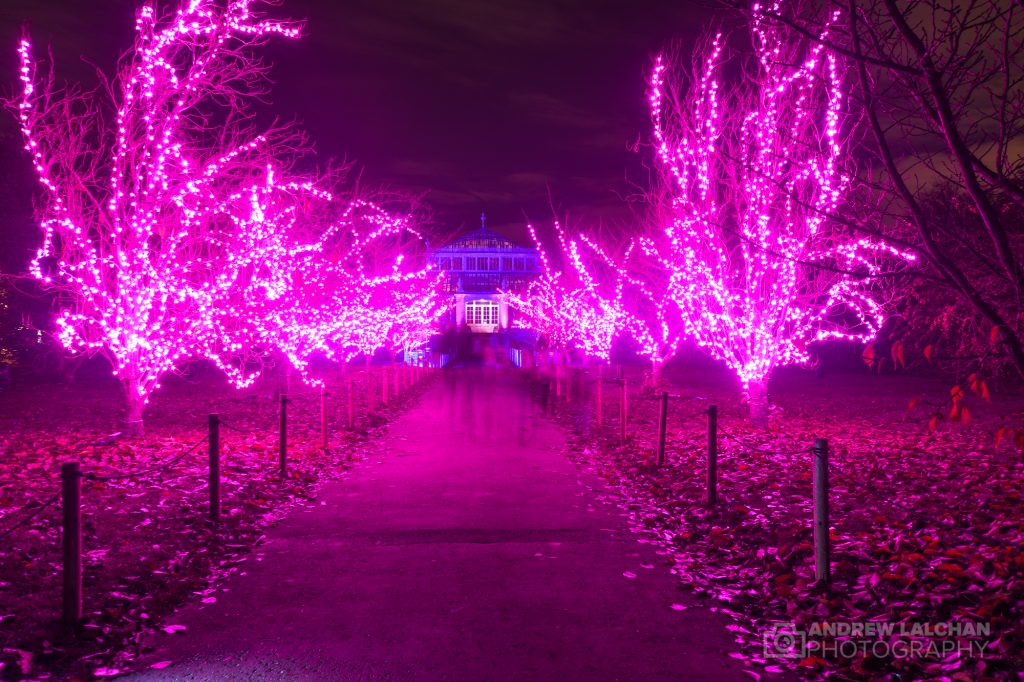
x=71, y=541
x=214, y=482
x=662, y=427
x=822, y=550
x=600, y=394
x=283, y=437
x=712, y=464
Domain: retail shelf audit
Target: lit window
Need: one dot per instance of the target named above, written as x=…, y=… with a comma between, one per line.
x=482, y=313
x=506, y=263
x=456, y=263
x=520, y=264
x=494, y=264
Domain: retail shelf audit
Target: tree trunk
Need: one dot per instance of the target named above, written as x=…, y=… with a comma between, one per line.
x=757, y=398
x=657, y=365
x=136, y=402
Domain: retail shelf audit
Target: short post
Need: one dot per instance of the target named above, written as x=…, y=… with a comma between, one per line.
x=712, y=468
x=662, y=427
x=214, y=440
x=351, y=410
x=71, y=501
x=369, y=390
x=558, y=381
x=822, y=568
x=283, y=437
x=623, y=410
x=384, y=384
x=398, y=374
x=323, y=417
x=600, y=393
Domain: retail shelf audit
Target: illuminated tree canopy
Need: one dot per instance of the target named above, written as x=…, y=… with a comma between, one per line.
x=173, y=230
x=753, y=169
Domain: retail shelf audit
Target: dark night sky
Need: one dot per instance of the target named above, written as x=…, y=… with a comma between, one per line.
x=507, y=107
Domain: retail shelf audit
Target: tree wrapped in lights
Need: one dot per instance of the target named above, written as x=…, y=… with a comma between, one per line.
x=545, y=303
x=175, y=232
x=603, y=303
x=620, y=281
x=752, y=172
x=587, y=304
x=331, y=281
x=137, y=234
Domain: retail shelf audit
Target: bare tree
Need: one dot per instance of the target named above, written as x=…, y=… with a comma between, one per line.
x=940, y=84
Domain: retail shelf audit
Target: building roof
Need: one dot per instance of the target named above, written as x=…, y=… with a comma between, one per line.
x=484, y=240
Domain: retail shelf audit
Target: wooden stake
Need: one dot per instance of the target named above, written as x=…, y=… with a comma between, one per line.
x=351, y=407
x=623, y=409
x=214, y=482
x=71, y=541
x=822, y=565
x=283, y=437
x=712, y=464
x=662, y=427
x=323, y=418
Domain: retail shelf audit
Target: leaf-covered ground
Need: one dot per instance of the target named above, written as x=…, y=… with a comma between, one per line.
x=147, y=542
x=927, y=520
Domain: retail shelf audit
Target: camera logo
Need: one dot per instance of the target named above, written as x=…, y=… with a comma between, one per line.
x=784, y=640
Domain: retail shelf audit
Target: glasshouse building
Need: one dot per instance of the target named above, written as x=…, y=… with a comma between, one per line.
x=479, y=266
